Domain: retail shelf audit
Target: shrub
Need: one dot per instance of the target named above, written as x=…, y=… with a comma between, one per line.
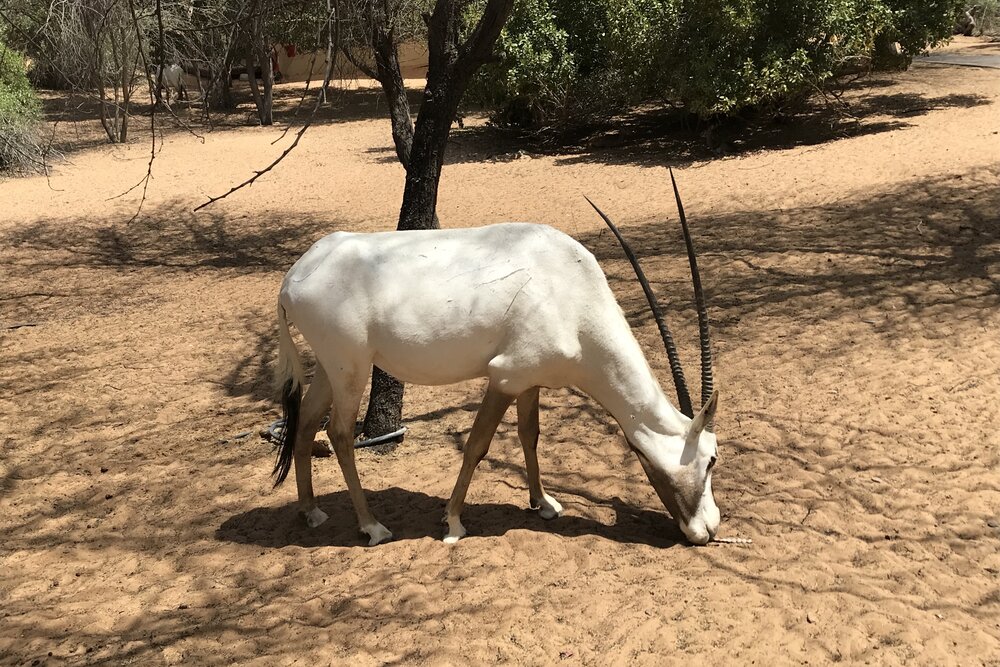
x=20, y=112
x=534, y=69
x=565, y=59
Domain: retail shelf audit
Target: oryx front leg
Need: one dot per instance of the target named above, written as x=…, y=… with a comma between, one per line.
x=315, y=404
x=527, y=431
x=341, y=431
x=494, y=405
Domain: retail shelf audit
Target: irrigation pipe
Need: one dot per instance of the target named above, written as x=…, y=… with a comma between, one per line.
x=277, y=427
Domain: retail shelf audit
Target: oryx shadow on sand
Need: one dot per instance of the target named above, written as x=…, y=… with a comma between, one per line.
x=415, y=515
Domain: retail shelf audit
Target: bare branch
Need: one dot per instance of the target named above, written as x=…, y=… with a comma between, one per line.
x=258, y=174
x=365, y=68
x=478, y=48
x=331, y=50
x=298, y=136
x=152, y=116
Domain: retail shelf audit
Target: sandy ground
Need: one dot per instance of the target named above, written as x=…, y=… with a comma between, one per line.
x=854, y=278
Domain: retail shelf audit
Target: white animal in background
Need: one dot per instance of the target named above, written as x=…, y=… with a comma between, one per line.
x=523, y=305
x=171, y=79
x=966, y=23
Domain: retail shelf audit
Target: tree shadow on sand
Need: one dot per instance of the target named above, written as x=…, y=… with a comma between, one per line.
x=169, y=237
x=650, y=135
x=657, y=135
x=922, y=247
x=928, y=246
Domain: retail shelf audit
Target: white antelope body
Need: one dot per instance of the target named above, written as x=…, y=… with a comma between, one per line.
x=171, y=78
x=523, y=305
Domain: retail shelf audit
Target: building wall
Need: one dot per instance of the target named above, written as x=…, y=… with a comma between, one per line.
x=312, y=66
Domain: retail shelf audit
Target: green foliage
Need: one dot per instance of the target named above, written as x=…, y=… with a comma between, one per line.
x=570, y=58
x=916, y=24
x=20, y=112
x=727, y=55
x=17, y=97
x=535, y=69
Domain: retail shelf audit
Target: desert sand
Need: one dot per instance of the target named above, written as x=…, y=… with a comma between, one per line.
x=853, y=272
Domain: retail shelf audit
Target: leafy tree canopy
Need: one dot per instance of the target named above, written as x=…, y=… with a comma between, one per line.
x=570, y=59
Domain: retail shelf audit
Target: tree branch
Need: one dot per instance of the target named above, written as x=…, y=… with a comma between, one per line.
x=357, y=62
x=478, y=48
x=258, y=174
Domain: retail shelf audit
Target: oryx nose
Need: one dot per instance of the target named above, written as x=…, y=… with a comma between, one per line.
x=712, y=531
x=697, y=532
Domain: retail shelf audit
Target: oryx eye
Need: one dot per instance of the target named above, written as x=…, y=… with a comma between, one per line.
x=711, y=463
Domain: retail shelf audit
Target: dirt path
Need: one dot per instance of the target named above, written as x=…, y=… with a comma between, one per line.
x=854, y=285
x=966, y=51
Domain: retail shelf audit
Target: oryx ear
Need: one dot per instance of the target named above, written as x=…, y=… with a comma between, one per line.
x=705, y=419
x=702, y=421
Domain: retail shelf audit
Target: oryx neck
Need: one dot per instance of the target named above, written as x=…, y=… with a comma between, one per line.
x=626, y=387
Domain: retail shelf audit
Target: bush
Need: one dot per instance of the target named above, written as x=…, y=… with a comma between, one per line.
x=987, y=15
x=729, y=55
x=534, y=69
x=20, y=112
x=568, y=59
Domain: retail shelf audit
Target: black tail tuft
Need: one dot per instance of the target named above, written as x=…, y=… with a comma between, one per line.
x=291, y=398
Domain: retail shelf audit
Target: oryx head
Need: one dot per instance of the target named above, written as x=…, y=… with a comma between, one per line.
x=679, y=466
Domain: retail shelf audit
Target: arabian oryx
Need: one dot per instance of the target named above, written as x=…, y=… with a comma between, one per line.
x=169, y=77
x=523, y=305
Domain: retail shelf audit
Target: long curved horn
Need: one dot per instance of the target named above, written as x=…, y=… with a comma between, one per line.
x=707, y=384
x=683, y=396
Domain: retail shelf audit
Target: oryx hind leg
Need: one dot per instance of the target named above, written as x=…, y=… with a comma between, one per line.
x=527, y=431
x=346, y=402
x=490, y=413
x=315, y=404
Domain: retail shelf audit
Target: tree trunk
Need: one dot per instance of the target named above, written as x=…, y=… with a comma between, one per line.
x=430, y=140
x=226, y=92
x=254, y=88
x=450, y=67
x=267, y=79
x=123, y=125
x=99, y=87
x=118, y=61
x=390, y=76
x=127, y=76
x=103, y=114
x=385, y=404
x=332, y=46
x=220, y=91
x=421, y=150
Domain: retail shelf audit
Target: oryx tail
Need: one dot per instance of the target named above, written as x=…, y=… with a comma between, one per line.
x=288, y=377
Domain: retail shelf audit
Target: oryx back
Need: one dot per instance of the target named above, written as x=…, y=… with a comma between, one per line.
x=506, y=301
